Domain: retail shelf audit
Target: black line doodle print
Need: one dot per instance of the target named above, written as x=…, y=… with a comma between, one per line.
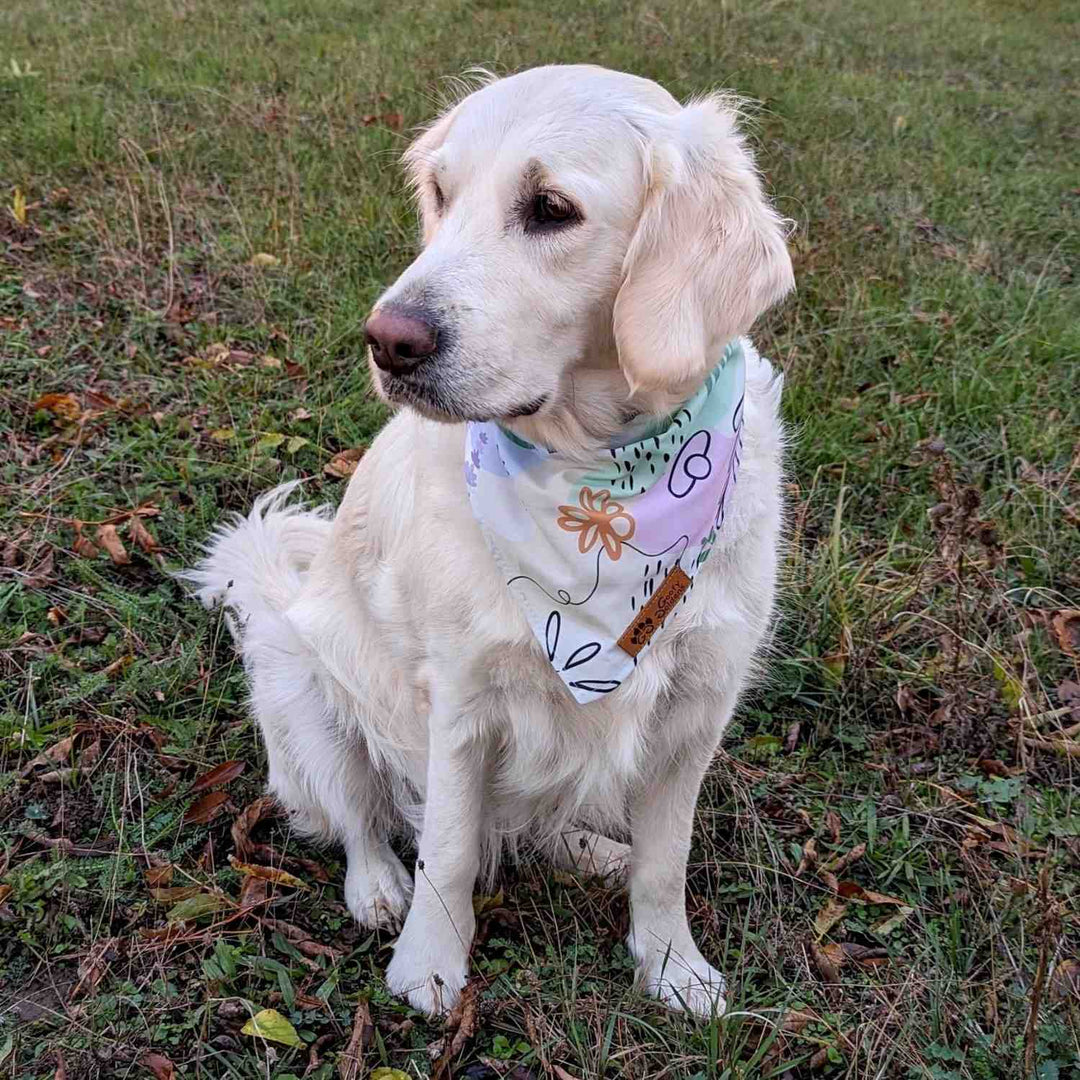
x=581, y=655
x=598, y=686
x=691, y=465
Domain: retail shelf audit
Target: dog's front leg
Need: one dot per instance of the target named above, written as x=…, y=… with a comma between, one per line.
x=431, y=957
x=669, y=964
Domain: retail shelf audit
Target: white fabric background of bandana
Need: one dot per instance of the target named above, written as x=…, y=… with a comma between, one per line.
x=583, y=547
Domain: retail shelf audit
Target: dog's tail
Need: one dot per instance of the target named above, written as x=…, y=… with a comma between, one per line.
x=255, y=565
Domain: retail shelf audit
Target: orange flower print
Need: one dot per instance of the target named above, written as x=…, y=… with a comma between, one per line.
x=598, y=517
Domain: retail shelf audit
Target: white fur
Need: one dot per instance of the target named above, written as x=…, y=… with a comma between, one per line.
x=395, y=680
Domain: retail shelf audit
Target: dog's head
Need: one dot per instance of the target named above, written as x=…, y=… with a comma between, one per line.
x=589, y=248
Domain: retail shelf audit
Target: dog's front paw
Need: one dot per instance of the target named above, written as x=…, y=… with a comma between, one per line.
x=378, y=889
x=431, y=962
x=681, y=978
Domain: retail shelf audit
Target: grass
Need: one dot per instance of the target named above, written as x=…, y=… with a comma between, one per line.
x=920, y=703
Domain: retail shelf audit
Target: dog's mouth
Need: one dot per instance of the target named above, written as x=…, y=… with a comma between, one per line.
x=433, y=401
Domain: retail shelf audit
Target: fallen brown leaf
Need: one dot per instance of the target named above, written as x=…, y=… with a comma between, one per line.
x=342, y=465
x=109, y=539
x=54, y=755
x=171, y=894
x=267, y=873
x=1066, y=624
x=842, y=862
x=850, y=890
x=253, y=892
x=159, y=1065
x=832, y=823
x=224, y=773
x=461, y=1021
x=809, y=857
x=65, y=406
x=157, y=877
x=263, y=807
x=889, y=923
x=205, y=809
x=994, y=767
x=42, y=574
x=827, y=959
x=83, y=546
x=141, y=535
x=363, y=1032
x=829, y=915
x=118, y=666
x=94, y=965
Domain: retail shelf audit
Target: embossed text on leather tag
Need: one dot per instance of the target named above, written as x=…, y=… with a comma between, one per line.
x=650, y=618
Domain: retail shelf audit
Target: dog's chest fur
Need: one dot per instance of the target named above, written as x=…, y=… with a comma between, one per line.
x=405, y=604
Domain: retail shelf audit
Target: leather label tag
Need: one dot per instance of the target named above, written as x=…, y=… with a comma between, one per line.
x=650, y=618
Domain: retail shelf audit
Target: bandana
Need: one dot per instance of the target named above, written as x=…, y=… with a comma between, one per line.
x=602, y=555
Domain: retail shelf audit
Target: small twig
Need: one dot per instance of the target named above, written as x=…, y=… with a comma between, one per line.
x=1062, y=746
x=117, y=518
x=314, y=1061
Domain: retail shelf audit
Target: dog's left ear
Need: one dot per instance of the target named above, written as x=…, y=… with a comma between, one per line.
x=708, y=255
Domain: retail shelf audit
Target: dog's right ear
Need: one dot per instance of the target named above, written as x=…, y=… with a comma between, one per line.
x=709, y=253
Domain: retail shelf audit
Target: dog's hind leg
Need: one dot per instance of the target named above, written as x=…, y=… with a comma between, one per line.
x=325, y=777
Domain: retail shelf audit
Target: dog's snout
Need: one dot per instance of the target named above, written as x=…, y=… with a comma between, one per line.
x=401, y=338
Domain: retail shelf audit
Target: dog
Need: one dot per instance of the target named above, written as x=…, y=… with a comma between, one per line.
x=591, y=249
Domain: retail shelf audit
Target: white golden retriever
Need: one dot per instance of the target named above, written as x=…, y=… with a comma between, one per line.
x=590, y=248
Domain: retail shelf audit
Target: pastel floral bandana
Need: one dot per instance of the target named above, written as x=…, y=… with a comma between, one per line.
x=601, y=556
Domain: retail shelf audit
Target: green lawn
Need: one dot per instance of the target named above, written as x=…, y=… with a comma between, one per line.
x=920, y=726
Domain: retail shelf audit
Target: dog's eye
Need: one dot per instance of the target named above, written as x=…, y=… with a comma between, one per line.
x=440, y=198
x=547, y=211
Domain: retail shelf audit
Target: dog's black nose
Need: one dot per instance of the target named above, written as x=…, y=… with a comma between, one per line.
x=401, y=338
